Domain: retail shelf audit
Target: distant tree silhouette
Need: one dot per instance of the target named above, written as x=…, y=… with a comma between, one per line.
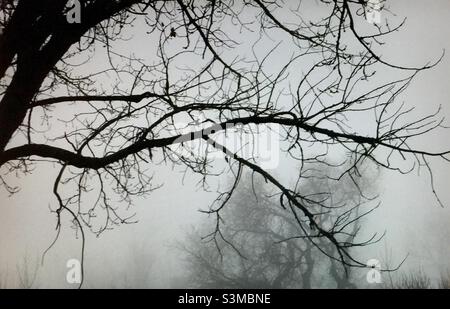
x=261, y=246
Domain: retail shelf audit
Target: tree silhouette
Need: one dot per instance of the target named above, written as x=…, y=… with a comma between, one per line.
x=79, y=95
x=263, y=248
x=27, y=273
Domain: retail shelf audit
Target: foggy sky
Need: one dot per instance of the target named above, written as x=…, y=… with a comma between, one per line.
x=414, y=222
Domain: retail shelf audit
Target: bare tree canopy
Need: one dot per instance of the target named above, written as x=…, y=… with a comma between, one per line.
x=266, y=250
x=78, y=95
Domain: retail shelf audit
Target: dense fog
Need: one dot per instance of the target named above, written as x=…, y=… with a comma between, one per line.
x=171, y=241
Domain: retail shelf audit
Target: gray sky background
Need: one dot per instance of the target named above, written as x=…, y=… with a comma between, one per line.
x=414, y=222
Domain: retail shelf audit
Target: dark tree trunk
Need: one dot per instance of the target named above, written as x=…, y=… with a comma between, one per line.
x=24, y=37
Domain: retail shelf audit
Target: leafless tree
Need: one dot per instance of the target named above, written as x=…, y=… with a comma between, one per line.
x=444, y=280
x=76, y=95
x=3, y=279
x=27, y=273
x=263, y=249
x=413, y=280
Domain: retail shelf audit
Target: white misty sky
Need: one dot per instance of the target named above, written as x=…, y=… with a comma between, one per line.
x=414, y=222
